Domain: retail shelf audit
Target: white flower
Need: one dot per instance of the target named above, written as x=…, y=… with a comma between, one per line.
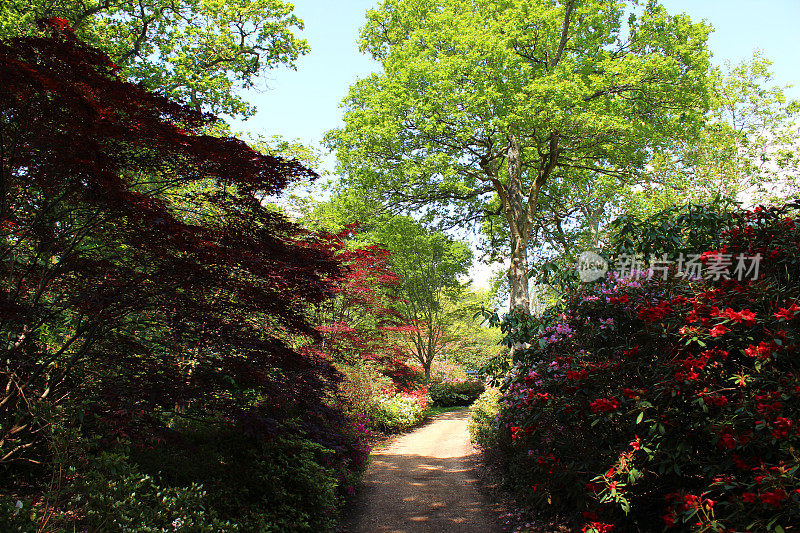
x=18, y=506
x=177, y=523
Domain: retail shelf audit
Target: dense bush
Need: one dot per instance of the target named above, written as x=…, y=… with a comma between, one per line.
x=292, y=478
x=452, y=392
x=114, y=496
x=484, y=418
x=399, y=411
x=670, y=400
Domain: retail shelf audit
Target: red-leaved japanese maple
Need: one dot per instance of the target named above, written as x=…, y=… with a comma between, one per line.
x=140, y=273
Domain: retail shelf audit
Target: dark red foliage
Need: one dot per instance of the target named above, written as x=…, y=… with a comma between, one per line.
x=141, y=274
x=359, y=323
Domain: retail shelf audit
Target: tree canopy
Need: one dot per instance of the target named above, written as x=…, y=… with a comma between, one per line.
x=198, y=51
x=141, y=271
x=516, y=100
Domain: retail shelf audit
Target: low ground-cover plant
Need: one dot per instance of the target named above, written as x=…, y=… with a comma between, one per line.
x=672, y=400
x=451, y=392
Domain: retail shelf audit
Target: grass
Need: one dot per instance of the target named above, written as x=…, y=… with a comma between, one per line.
x=436, y=410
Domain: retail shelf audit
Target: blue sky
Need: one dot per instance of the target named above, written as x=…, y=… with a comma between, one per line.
x=304, y=104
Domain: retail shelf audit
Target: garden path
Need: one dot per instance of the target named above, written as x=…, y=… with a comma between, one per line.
x=425, y=481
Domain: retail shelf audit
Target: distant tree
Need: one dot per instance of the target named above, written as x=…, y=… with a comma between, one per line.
x=140, y=270
x=429, y=265
x=197, y=51
x=749, y=149
x=468, y=342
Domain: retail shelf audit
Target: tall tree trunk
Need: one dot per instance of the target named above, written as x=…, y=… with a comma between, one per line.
x=520, y=222
x=518, y=274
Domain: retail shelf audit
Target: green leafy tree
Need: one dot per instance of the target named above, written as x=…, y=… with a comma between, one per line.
x=748, y=150
x=516, y=99
x=429, y=265
x=198, y=51
x=470, y=343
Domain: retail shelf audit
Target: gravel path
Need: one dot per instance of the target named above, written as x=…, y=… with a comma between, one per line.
x=425, y=481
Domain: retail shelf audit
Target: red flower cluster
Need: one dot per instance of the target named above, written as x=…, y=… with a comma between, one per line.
x=773, y=498
x=788, y=313
x=718, y=330
x=576, y=375
x=654, y=313
x=602, y=405
x=745, y=315
x=597, y=527
x=762, y=351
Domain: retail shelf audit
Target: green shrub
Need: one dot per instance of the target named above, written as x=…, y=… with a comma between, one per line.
x=282, y=481
x=449, y=393
x=296, y=491
x=484, y=418
x=18, y=515
x=394, y=413
x=113, y=495
x=363, y=383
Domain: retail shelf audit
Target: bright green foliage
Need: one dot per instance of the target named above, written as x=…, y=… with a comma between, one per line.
x=198, y=51
x=394, y=413
x=483, y=422
x=518, y=99
x=748, y=150
x=115, y=496
x=429, y=265
x=452, y=392
x=469, y=342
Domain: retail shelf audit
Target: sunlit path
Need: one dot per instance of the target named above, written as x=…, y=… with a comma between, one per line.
x=425, y=481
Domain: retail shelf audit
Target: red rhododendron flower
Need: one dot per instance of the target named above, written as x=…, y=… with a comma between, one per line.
x=632, y=393
x=774, y=498
x=597, y=527
x=719, y=401
x=762, y=351
x=748, y=497
x=576, y=376
x=718, y=330
x=782, y=427
x=744, y=315
x=788, y=313
x=740, y=463
x=602, y=405
x=726, y=439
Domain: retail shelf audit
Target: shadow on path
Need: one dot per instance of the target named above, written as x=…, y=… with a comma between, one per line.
x=425, y=481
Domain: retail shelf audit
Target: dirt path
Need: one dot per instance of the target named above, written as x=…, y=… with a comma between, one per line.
x=425, y=481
